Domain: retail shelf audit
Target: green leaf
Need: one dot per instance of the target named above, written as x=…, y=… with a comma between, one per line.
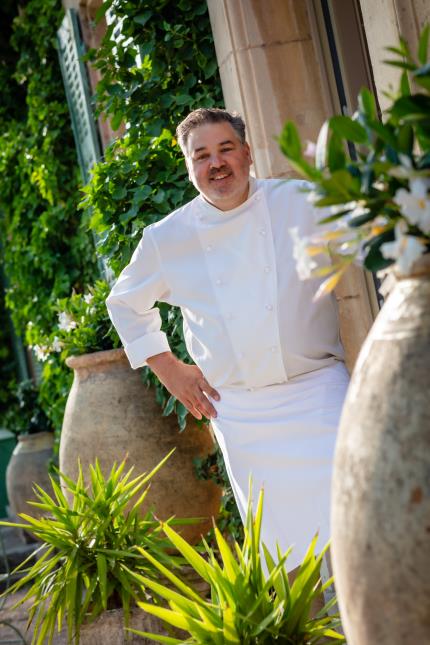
x=116, y=120
x=423, y=44
x=102, y=573
x=349, y=129
x=405, y=88
x=367, y=104
x=143, y=18
x=336, y=155
x=289, y=142
x=119, y=193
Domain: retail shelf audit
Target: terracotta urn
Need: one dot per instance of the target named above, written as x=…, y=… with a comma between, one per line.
x=110, y=414
x=28, y=466
x=381, y=486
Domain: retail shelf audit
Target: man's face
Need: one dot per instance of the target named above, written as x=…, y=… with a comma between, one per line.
x=218, y=164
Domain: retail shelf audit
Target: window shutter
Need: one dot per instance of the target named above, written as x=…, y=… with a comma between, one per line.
x=71, y=50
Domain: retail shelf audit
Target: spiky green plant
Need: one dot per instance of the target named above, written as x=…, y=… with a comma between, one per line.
x=246, y=606
x=89, y=546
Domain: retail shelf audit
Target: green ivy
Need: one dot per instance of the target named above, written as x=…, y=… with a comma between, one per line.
x=46, y=251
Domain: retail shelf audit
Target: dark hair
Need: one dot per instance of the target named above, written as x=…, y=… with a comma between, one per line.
x=201, y=116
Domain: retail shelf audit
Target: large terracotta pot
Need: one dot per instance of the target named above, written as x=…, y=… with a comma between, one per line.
x=110, y=414
x=381, y=488
x=28, y=466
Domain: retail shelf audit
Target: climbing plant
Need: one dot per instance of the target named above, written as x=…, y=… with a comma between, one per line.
x=46, y=252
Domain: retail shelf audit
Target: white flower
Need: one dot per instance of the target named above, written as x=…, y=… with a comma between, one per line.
x=340, y=208
x=88, y=298
x=41, y=351
x=313, y=196
x=310, y=150
x=405, y=249
x=57, y=345
x=415, y=204
x=91, y=311
x=304, y=262
x=65, y=321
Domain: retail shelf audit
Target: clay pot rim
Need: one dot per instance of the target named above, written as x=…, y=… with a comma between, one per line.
x=29, y=437
x=96, y=358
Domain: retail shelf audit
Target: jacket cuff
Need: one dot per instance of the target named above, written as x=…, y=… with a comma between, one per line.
x=142, y=348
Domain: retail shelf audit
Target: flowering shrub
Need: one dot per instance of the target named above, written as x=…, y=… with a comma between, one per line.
x=377, y=194
x=83, y=325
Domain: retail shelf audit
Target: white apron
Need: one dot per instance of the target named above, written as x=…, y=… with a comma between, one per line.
x=284, y=435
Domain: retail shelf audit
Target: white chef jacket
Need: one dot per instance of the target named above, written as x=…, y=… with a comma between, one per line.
x=249, y=321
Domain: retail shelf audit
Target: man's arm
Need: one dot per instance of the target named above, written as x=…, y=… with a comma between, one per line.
x=132, y=311
x=186, y=383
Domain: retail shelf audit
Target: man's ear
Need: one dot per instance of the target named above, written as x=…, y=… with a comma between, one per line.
x=188, y=167
x=248, y=152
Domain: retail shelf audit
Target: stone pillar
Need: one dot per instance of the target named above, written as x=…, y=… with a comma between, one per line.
x=270, y=72
x=384, y=21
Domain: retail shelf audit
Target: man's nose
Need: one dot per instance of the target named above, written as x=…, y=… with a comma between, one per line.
x=215, y=160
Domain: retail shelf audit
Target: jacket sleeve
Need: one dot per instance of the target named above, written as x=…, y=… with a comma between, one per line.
x=131, y=304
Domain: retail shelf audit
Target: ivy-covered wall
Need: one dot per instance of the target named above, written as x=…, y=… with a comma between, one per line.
x=46, y=251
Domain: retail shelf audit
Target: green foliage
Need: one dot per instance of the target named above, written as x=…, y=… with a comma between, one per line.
x=246, y=606
x=8, y=367
x=90, y=536
x=46, y=251
x=212, y=468
x=389, y=168
x=25, y=414
x=83, y=326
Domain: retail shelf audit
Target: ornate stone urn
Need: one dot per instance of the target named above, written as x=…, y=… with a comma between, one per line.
x=381, y=487
x=111, y=415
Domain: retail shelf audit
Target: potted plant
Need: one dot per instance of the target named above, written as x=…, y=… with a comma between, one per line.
x=374, y=177
x=32, y=454
x=90, y=541
x=110, y=413
x=250, y=603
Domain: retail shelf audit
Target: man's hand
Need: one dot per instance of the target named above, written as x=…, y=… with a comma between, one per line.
x=186, y=383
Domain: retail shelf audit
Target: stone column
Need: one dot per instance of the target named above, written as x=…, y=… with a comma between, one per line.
x=270, y=72
x=384, y=22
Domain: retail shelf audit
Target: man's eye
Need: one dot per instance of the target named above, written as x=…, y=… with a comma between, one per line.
x=201, y=157
x=226, y=149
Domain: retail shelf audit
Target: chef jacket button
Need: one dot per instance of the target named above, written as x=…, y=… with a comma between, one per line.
x=273, y=349
x=209, y=248
x=269, y=307
x=262, y=231
x=266, y=269
x=218, y=282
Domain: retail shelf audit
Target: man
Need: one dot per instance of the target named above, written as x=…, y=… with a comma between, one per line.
x=268, y=360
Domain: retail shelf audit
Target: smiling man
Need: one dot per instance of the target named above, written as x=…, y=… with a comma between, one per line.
x=269, y=368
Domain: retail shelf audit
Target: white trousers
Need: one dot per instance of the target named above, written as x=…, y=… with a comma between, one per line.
x=284, y=436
